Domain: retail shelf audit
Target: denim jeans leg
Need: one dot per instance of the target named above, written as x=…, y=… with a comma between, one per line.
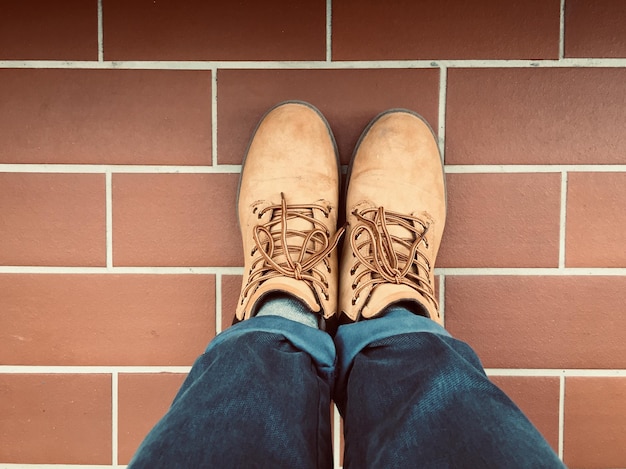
x=258, y=397
x=413, y=396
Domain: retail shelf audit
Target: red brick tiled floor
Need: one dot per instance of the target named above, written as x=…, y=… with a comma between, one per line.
x=123, y=126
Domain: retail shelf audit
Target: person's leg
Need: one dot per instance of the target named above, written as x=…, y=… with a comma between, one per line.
x=258, y=397
x=413, y=396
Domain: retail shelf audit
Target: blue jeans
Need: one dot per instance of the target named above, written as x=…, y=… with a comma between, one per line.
x=409, y=393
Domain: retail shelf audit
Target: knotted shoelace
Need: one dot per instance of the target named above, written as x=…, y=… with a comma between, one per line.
x=389, y=258
x=288, y=252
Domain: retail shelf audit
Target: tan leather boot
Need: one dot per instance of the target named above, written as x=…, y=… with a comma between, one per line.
x=396, y=212
x=287, y=205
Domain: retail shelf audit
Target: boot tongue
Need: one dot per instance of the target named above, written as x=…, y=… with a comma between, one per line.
x=393, y=252
x=286, y=285
x=293, y=224
x=399, y=249
x=385, y=294
x=281, y=249
x=395, y=230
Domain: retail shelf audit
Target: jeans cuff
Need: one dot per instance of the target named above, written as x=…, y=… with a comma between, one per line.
x=318, y=344
x=352, y=338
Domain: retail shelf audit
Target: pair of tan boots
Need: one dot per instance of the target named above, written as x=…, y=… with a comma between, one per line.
x=288, y=206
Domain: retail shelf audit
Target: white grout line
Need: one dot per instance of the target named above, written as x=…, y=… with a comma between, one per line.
x=54, y=466
x=456, y=271
x=316, y=64
x=443, y=88
x=89, y=369
x=442, y=298
x=218, y=303
x=214, y=119
x=562, y=220
x=529, y=271
x=100, y=33
x=114, y=416
x=109, y=220
x=113, y=169
x=336, y=436
x=121, y=270
x=235, y=169
x=329, y=30
x=531, y=168
x=556, y=372
x=121, y=369
x=562, y=30
x=561, y=415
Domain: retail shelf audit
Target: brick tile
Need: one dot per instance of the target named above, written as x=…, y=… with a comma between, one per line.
x=105, y=116
x=55, y=419
x=199, y=30
x=538, y=398
x=52, y=219
x=448, y=29
x=595, y=29
x=348, y=98
x=502, y=220
x=105, y=319
x=536, y=116
x=143, y=400
x=595, y=233
x=175, y=220
x=594, y=430
x=43, y=30
x=231, y=288
x=539, y=322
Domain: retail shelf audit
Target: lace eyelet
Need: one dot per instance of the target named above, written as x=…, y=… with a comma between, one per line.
x=353, y=301
x=353, y=286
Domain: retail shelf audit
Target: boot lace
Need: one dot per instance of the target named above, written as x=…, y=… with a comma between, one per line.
x=390, y=258
x=288, y=252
